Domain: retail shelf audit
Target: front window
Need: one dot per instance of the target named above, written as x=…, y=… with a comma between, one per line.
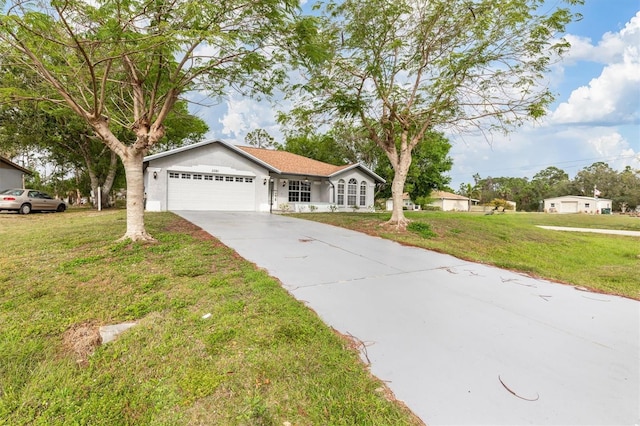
x=363, y=193
x=352, y=192
x=299, y=191
x=340, y=201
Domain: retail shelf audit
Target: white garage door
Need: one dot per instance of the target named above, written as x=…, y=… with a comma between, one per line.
x=569, y=207
x=201, y=191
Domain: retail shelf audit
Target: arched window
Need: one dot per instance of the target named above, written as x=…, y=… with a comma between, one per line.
x=363, y=193
x=340, y=200
x=352, y=192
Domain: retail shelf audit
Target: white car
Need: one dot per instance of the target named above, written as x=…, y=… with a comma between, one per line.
x=26, y=201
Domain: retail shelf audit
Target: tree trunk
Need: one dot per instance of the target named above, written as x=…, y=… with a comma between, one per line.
x=95, y=184
x=400, y=165
x=397, y=191
x=108, y=181
x=132, y=161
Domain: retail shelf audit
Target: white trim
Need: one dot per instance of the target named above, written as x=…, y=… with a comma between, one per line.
x=212, y=170
x=205, y=143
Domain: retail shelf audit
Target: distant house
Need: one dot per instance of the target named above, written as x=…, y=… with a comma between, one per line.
x=446, y=201
x=450, y=202
x=576, y=204
x=407, y=204
x=11, y=175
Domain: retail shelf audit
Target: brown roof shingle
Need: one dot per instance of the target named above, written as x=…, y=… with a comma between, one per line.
x=288, y=162
x=447, y=195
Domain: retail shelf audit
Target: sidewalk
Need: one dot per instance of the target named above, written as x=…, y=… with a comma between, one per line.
x=597, y=231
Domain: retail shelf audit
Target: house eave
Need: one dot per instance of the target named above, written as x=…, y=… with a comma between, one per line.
x=233, y=148
x=14, y=165
x=358, y=166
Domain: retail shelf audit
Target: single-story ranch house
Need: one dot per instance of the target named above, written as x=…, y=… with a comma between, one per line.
x=450, y=202
x=11, y=175
x=576, y=204
x=215, y=175
x=446, y=201
x=407, y=204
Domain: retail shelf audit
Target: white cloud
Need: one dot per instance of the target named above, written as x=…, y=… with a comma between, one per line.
x=244, y=115
x=610, y=49
x=613, y=96
x=616, y=149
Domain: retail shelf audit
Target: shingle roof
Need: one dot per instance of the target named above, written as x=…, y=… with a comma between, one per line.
x=447, y=195
x=281, y=162
x=288, y=162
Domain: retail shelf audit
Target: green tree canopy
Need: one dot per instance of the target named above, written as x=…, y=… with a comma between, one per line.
x=403, y=68
x=125, y=64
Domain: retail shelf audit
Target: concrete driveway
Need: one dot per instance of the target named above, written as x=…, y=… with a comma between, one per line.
x=458, y=342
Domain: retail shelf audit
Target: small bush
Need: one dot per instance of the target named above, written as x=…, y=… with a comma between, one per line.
x=422, y=229
x=284, y=207
x=500, y=203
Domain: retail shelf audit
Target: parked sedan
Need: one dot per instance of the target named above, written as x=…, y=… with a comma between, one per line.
x=27, y=200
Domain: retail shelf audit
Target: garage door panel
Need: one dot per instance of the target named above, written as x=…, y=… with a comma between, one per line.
x=569, y=207
x=228, y=193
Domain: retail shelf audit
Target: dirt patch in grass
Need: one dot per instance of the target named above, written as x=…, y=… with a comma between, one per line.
x=182, y=226
x=82, y=340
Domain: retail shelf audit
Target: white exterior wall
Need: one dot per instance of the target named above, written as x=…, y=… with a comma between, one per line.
x=10, y=177
x=323, y=193
x=576, y=204
x=359, y=176
x=455, y=205
x=212, y=158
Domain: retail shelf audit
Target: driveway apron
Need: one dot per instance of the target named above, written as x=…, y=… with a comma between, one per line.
x=458, y=342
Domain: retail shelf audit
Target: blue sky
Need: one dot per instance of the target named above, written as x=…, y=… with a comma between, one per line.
x=596, y=116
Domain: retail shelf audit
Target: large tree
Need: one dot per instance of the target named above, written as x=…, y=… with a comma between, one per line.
x=402, y=68
x=65, y=141
x=127, y=63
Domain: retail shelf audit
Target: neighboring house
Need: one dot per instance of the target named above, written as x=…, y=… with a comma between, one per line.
x=450, y=202
x=576, y=204
x=407, y=204
x=11, y=175
x=215, y=175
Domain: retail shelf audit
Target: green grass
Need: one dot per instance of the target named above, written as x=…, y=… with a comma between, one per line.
x=605, y=263
x=261, y=358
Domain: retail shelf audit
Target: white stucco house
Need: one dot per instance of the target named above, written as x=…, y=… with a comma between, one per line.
x=11, y=175
x=407, y=203
x=215, y=175
x=450, y=202
x=576, y=204
x=446, y=201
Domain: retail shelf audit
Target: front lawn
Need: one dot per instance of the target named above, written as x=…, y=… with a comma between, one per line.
x=218, y=341
x=607, y=263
